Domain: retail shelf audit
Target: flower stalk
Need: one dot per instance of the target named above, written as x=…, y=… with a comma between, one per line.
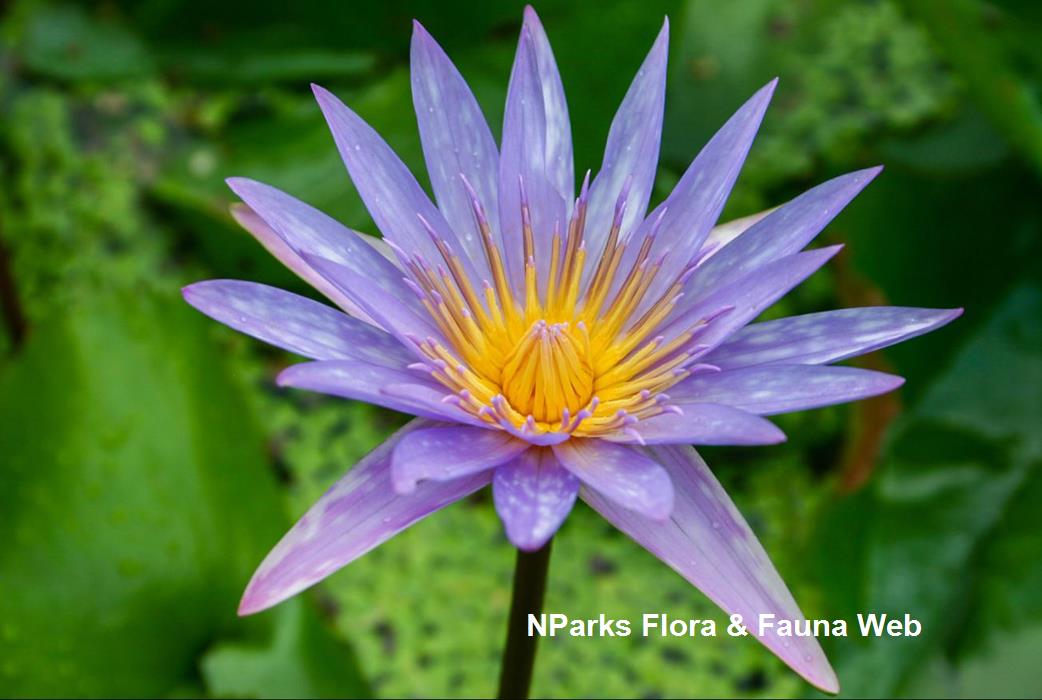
x=530, y=569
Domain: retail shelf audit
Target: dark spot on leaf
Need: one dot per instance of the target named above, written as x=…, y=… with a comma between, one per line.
x=388, y=639
x=601, y=566
x=336, y=429
x=674, y=655
x=750, y=682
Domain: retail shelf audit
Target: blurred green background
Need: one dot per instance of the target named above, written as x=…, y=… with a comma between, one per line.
x=147, y=462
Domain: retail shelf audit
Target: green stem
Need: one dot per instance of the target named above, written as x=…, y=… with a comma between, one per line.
x=519, y=654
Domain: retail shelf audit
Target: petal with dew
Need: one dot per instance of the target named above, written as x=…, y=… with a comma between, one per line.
x=401, y=209
x=394, y=389
x=308, y=231
x=533, y=494
x=295, y=323
x=456, y=142
x=285, y=254
x=442, y=453
x=624, y=475
x=694, y=205
x=359, y=512
x=558, y=142
x=399, y=320
x=770, y=389
x=784, y=231
x=631, y=153
x=707, y=541
x=827, y=336
x=703, y=424
x=532, y=155
x=745, y=298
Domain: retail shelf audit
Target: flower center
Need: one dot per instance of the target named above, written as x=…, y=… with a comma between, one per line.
x=547, y=374
x=556, y=352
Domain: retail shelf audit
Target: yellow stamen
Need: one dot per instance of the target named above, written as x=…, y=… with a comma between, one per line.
x=555, y=357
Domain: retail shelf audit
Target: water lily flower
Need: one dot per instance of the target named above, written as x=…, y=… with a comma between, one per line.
x=554, y=344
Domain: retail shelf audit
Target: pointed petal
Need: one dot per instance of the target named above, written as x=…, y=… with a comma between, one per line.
x=397, y=203
x=396, y=318
x=456, y=141
x=394, y=389
x=694, y=205
x=703, y=424
x=747, y=296
x=295, y=323
x=284, y=253
x=536, y=152
x=448, y=452
x=631, y=152
x=533, y=494
x=707, y=541
x=358, y=513
x=770, y=389
x=559, y=160
x=307, y=231
x=786, y=230
x=624, y=475
x=829, y=336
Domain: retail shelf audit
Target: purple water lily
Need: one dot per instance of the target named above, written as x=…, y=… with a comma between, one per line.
x=554, y=345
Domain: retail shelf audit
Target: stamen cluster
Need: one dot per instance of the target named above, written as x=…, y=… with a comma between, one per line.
x=566, y=354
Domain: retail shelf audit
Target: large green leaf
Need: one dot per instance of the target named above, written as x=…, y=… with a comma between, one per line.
x=136, y=501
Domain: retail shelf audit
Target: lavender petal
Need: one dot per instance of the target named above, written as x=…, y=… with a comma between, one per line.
x=707, y=541
x=456, y=142
x=399, y=206
x=770, y=389
x=694, y=205
x=784, y=231
x=443, y=453
x=358, y=513
x=295, y=323
x=536, y=142
x=307, y=231
x=559, y=160
x=746, y=297
x=624, y=475
x=703, y=424
x=829, y=336
x=533, y=494
x=398, y=319
x=631, y=153
x=394, y=389
x=285, y=254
